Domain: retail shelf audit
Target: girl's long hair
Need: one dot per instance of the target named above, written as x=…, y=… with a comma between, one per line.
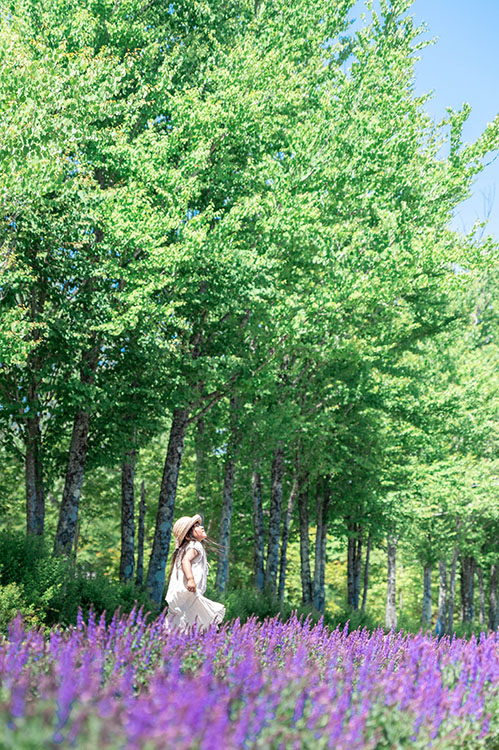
x=189, y=537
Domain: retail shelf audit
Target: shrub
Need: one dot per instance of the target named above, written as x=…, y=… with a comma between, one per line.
x=246, y=603
x=49, y=590
x=19, y=556
x=354, y=617
x=88, y=590
x=11, y=602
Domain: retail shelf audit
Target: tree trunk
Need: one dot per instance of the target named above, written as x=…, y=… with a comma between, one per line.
x=139, y=580
x=224, y=535
x=354, y=564
x=166, y=506
x=442, y=597
x=35, y=497
x=127, y=557
x=452, y=588
x=493, y=608
x=366, y=574
x=306, y=578
x=259, y=554
x=68, y=513
x=323, y=501
x=481, y=591
x=274, y=522
x=285, y=534
x=427, y=598
x=227, y=501
x=200, y=451
x=467, y=590
x=400, y=589
x=391, y=602
x=29, y=476
x=76, y=539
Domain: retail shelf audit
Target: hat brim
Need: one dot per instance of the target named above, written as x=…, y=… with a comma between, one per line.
x=194, y=519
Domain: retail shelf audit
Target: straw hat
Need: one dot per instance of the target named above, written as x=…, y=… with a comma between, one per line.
x=182, y=526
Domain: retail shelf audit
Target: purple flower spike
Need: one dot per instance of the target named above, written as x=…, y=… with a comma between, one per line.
x=266, y=684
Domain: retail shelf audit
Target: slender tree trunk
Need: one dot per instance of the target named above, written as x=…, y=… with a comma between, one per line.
x=323, y=502
x=366, y=574
x=68, y=513
x=200, y=451
x=316, y=582
x=29, y=476
x=224, y=536
x=127, y=557
x=76, y=540
x=452, y=588
x=306, y=578
x=391, y=601
x=462, y=591
x=35, y=497
x=166, y=506
x=259, y=553
x=357, y=569
x=285, y=534
x=481, y=592
x=227, y=505
x=274, y=522
x=400, y=588
x=468, y=590
x=493, y=608
x=227, y=501
x=427, y=597
x=139, y=580
x=350, y=558
x=354, y=565
x=442, y=596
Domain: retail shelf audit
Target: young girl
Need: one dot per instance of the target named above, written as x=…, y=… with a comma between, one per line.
x=187, y=580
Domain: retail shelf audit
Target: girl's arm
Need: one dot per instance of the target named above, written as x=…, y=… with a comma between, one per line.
x=187, y=568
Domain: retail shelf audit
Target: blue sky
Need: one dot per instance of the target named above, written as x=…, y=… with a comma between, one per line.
x=463, y=66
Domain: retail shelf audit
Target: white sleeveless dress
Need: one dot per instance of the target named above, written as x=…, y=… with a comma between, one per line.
x=186, y=608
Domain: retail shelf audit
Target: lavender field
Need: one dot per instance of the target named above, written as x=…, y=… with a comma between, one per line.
x=290, y=685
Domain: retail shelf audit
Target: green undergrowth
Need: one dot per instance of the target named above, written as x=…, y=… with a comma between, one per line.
x=245, y=603
x=49, y=590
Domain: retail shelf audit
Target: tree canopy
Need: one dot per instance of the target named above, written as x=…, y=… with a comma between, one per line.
x=226, y=236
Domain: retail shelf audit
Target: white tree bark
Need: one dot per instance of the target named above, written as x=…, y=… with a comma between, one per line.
x=166, y=505
x=452, y=589
x=274, y=522
x=68, y=512
x=284, y=538
x=366, y=574
x=391, y=601
x=259, y=546
x=319, y=582
x=225, y=520
x=127, y=554
x=481, y=590
x=442, y=596
x=427, y=599
x=139, y=580
x=306, y=577
x=493, y=608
